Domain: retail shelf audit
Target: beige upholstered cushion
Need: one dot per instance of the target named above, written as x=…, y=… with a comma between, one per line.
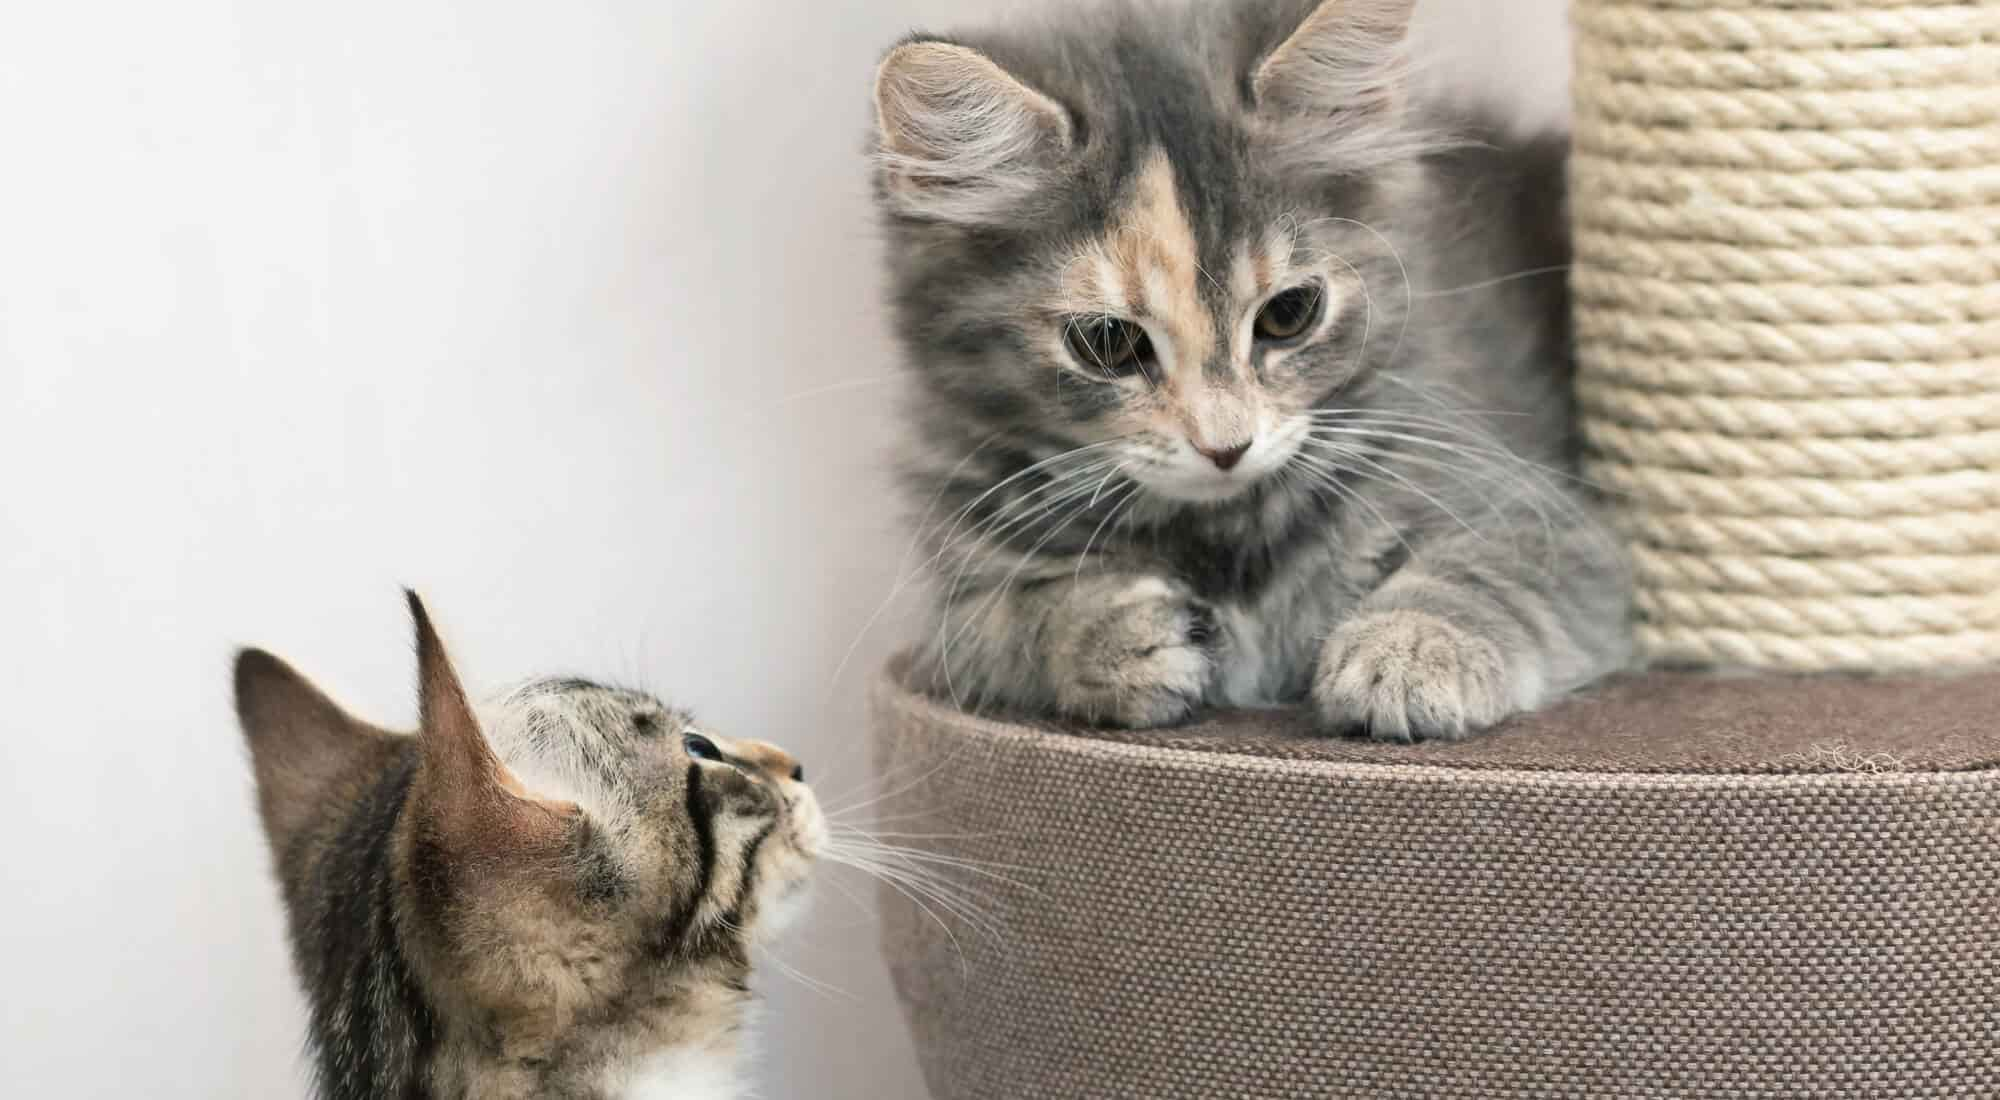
x=1674, y=886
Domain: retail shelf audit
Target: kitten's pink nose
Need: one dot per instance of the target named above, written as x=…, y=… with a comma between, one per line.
x=1225, y=458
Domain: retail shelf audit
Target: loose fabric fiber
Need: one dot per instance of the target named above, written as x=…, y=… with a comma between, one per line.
x=1676, y=887
x=1787, y=285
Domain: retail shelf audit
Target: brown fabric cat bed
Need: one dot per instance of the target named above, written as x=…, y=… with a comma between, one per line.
x=1675, y=886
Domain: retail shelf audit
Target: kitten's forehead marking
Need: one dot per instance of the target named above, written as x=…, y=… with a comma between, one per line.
x=1148, y=266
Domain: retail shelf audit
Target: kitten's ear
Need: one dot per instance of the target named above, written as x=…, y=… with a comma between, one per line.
x=960, y=139
x=303, y=747
x=468, y=800
x=1346, y=58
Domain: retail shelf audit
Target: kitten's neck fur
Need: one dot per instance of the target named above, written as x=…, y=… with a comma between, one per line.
x=658, y=1024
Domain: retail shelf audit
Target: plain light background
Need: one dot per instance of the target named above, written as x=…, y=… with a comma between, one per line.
x=564, y=313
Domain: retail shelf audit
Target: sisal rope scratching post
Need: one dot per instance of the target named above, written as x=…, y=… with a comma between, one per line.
x=1787, y=280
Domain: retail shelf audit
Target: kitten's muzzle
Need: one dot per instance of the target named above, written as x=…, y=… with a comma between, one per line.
x=774, y=762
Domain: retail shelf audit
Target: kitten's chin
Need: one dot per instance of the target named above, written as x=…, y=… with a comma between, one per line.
x=786, y=891
x=1205, y=486
x=1199, y=490
x=783, y=909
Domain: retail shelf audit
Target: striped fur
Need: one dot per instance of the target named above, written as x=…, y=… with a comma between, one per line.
x=1379, y=515
x=552, y=898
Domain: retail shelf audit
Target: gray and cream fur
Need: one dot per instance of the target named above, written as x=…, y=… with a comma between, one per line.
x=555, y=898
x=1237, y=377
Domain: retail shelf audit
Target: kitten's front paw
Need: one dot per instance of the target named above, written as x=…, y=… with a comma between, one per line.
x=1408, y=675
x=1139, y=658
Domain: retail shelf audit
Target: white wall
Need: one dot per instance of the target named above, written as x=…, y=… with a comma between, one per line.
x=564, y=313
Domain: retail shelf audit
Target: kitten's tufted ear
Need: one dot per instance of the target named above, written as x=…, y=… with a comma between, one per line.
x=308, y=754
x=1346, y=58
x=468, y=800
x=960, y=139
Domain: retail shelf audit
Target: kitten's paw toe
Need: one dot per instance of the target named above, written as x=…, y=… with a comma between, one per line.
x=1140, y=660
x=1408, y=675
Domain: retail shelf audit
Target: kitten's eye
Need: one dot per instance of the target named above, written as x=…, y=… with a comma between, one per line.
x=1291, y=314
x=701, y=748
x=1110, y=346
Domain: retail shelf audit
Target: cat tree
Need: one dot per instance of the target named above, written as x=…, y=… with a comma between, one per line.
x=1788, y=314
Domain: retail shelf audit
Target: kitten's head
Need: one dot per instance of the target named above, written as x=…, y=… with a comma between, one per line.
x=544, y=854
x=726, y=830
x=1150, y=228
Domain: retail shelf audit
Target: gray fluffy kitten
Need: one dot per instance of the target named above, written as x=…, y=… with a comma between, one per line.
x=1236, y=379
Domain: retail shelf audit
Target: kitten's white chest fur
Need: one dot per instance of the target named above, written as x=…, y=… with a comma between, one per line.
x=685, y=1073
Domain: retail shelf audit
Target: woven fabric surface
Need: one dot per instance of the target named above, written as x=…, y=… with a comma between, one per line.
x=1258, y=919
x=1787, y=287
x=1659, y=722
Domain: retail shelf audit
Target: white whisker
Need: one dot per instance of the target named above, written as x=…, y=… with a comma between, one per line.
x=1328, y=478
x=904, y=575
x=1383, y=473
x=1397, y=254
x=1493, y=282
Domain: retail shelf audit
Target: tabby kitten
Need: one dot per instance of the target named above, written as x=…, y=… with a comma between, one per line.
x=557, y=900
x=1237, y=379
